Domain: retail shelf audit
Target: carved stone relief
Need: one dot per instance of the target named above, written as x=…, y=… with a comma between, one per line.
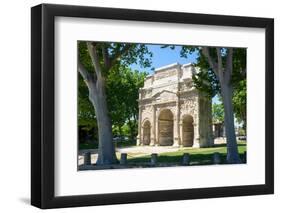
x=180, y=98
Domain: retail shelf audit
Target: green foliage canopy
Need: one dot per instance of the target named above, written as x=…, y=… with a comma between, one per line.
x=218, y=112
x=207, y=81
x=122, y=84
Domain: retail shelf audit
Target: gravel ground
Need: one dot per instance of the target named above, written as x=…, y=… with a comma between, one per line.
x=136, y=151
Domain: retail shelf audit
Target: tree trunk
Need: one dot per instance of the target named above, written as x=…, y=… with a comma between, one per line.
x=232, y=150
x=106, y=151
x=132, y=130
x=120, y=130
x=224, y=76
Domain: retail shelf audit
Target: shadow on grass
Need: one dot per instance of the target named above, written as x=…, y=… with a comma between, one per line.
x=224, y=145
x=128, y=143
x=195, y=159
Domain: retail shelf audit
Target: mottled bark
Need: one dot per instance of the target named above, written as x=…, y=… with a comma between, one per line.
x=224, y=74
x=97, y=95
x=232, y=149
x=106, y=152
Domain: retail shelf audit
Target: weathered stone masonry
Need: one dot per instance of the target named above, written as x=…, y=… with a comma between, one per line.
x=172, y=112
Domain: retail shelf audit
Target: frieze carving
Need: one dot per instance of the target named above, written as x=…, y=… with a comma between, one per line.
x=186, y=85
x=189, y=107
x=146, y=93
x=177, y=95
x=147, y=111
x=165, y=74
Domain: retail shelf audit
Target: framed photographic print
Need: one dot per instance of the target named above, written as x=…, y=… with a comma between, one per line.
x=139, y=106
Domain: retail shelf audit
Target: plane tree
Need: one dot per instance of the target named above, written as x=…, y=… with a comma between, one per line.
x=96, y=60
x=222, y=70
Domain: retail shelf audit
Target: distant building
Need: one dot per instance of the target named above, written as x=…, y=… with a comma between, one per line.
x=172, y=112
x=218, y=129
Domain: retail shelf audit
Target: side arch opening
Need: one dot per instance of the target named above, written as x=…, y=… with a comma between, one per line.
x=187, y=131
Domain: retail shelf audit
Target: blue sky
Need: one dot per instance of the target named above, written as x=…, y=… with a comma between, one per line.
x=166, y=56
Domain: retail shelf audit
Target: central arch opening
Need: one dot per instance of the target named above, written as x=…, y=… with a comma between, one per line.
x=146, y=133
x=166, y=126
x=188, y=131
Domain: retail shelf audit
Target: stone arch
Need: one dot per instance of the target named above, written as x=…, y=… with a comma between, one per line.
x=146, y=132
x=187, y=131
x=165, y=128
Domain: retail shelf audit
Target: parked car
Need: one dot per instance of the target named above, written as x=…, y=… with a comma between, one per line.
x=117, y=139
x=242, y=137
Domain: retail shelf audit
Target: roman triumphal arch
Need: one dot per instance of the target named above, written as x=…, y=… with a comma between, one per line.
x=172, y=112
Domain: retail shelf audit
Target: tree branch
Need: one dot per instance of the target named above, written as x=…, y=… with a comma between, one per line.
x=220, y=65
x=95, y=59
x=84, y=73
x=243, y=72
x=212, y=63
x=219, y=58
x=105, y=57
x=124, y=50
x=229, y=63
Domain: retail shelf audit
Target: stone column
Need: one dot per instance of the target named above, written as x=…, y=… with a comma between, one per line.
x=180, y=132
x=176, y=130
x=178, y=119
x=139, y=137
x=196, y=125
x=156, y=141
x=177, y=115
x=196, y=137
x=152, y=137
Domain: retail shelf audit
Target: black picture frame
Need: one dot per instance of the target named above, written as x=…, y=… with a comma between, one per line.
x=43, y=105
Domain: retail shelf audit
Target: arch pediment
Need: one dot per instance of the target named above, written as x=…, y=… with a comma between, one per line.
x=165, y=95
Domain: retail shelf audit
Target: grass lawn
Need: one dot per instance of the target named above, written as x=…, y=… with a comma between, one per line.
x=198, y=156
